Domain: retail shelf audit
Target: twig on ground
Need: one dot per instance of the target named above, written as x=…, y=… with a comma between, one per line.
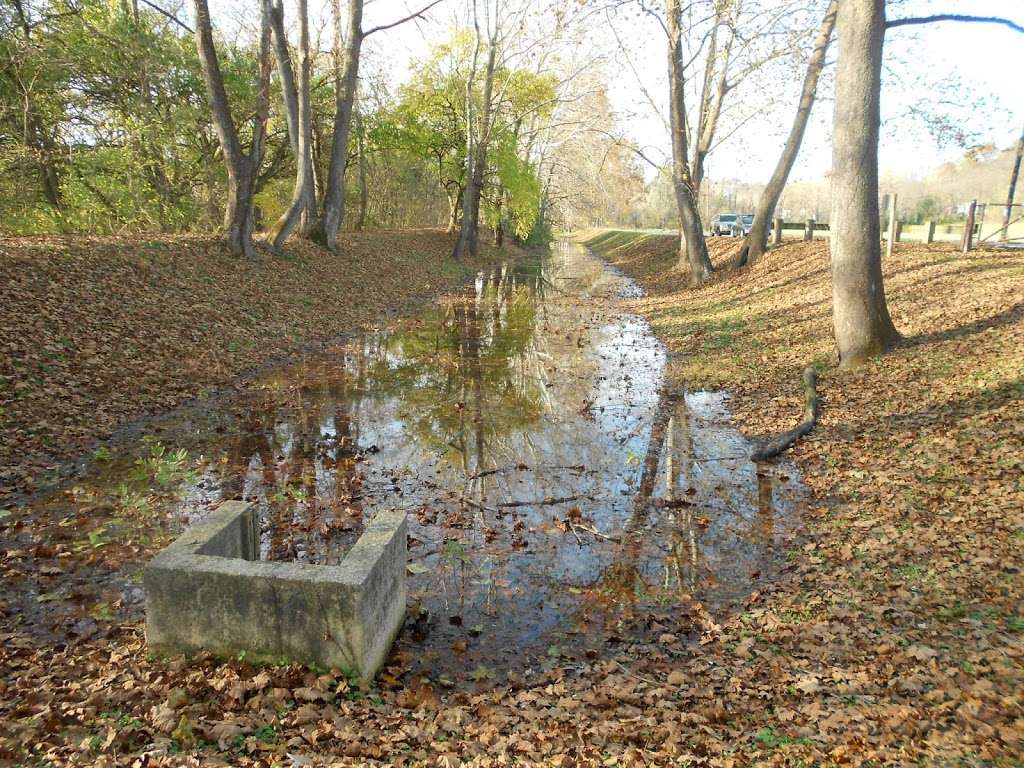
x=635, y=676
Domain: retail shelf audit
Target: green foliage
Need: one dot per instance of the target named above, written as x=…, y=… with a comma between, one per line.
x=430, y=121
x=105, y=128
x=112, y=102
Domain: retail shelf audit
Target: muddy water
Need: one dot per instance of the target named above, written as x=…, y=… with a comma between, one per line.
x=561, y=495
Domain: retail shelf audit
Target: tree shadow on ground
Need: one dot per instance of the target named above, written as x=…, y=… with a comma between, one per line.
x=940, y=413
x=1009, y=316
x=954, y=272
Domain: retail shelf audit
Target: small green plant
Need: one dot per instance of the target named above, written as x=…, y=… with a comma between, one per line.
x=98, y=538
x=912, y=572
x=102, y=455
x=267, y=734
x=129, y=500
x=102, y=612
x=454, y=551
x=290, y=493
x=162, y=465
x=769, y=738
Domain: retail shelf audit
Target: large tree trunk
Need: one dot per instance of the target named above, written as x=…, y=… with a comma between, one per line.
x=757, y=241
x=863, y=328
x=346, y=68
x=241, y=169
x=1014, y=175
x=694, y=250
x=302, y=208
x=469, y=233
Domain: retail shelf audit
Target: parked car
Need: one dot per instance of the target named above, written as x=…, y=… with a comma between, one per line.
x=722, y=224
x=741, y=226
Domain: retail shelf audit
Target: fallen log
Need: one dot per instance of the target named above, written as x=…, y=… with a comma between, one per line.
x=812, y=408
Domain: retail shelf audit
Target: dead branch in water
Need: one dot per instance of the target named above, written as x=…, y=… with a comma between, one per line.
x=812, y=408
x=550, y=501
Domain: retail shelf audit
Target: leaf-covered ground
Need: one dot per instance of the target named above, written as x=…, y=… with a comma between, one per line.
x=893, y=638
x=100, y=330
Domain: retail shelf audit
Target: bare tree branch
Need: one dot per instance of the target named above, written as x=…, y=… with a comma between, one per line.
x=170, y=16
x=954, y=17
x=417, y=15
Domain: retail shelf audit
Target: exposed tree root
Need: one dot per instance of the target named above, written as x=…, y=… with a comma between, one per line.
x=812, y=407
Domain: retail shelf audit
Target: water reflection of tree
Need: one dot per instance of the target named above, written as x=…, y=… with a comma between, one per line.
x=684, y=514
x=296, y=456
x=462, y=379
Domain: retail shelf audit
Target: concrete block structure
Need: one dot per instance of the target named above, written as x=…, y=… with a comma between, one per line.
x=208, y=591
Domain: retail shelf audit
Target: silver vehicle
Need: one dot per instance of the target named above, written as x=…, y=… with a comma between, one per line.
x=741, y=226
x=722, y=224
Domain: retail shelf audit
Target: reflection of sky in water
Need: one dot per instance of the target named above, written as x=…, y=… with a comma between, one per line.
x=535, y=386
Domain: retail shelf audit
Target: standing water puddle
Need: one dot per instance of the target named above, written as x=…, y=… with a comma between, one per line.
x=557, y=490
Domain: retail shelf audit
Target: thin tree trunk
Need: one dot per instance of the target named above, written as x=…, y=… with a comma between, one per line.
x=286, y=72
x=302, y=208
x=713, y=92
x=242, y=169
x=757, y=240
x=694, y=256
x=1014, y=175
x=346, y=68
x=476, y=152
x=863, y=327
x=364, y=191
x=453, y=209
x=235, y=219
x=36, y=135
x=499, y=228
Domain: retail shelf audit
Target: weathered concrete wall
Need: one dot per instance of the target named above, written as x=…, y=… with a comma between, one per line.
x=208, y=592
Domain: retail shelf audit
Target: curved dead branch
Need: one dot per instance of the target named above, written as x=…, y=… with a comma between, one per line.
x=812, y=408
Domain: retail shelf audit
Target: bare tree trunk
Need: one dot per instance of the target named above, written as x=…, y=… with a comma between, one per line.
x=285, y=71
x=863, y=327
x=364, y=192
x=36, y=135
x=499, y=227
x=45, y=155
x=241, y=168
x=469, y=233
x=694, y=256
x=346, y=69
x=453, y=209
x=757, y=241
x=713, y=92
x=302, y=208
x=1014, y=175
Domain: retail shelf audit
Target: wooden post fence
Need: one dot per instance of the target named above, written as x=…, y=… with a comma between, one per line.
x=892, y=225
x=968, y=239
x=809, y=230
x=929, y=231
x=777, y=234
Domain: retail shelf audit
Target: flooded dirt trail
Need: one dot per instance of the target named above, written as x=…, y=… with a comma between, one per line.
x=562, y=495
